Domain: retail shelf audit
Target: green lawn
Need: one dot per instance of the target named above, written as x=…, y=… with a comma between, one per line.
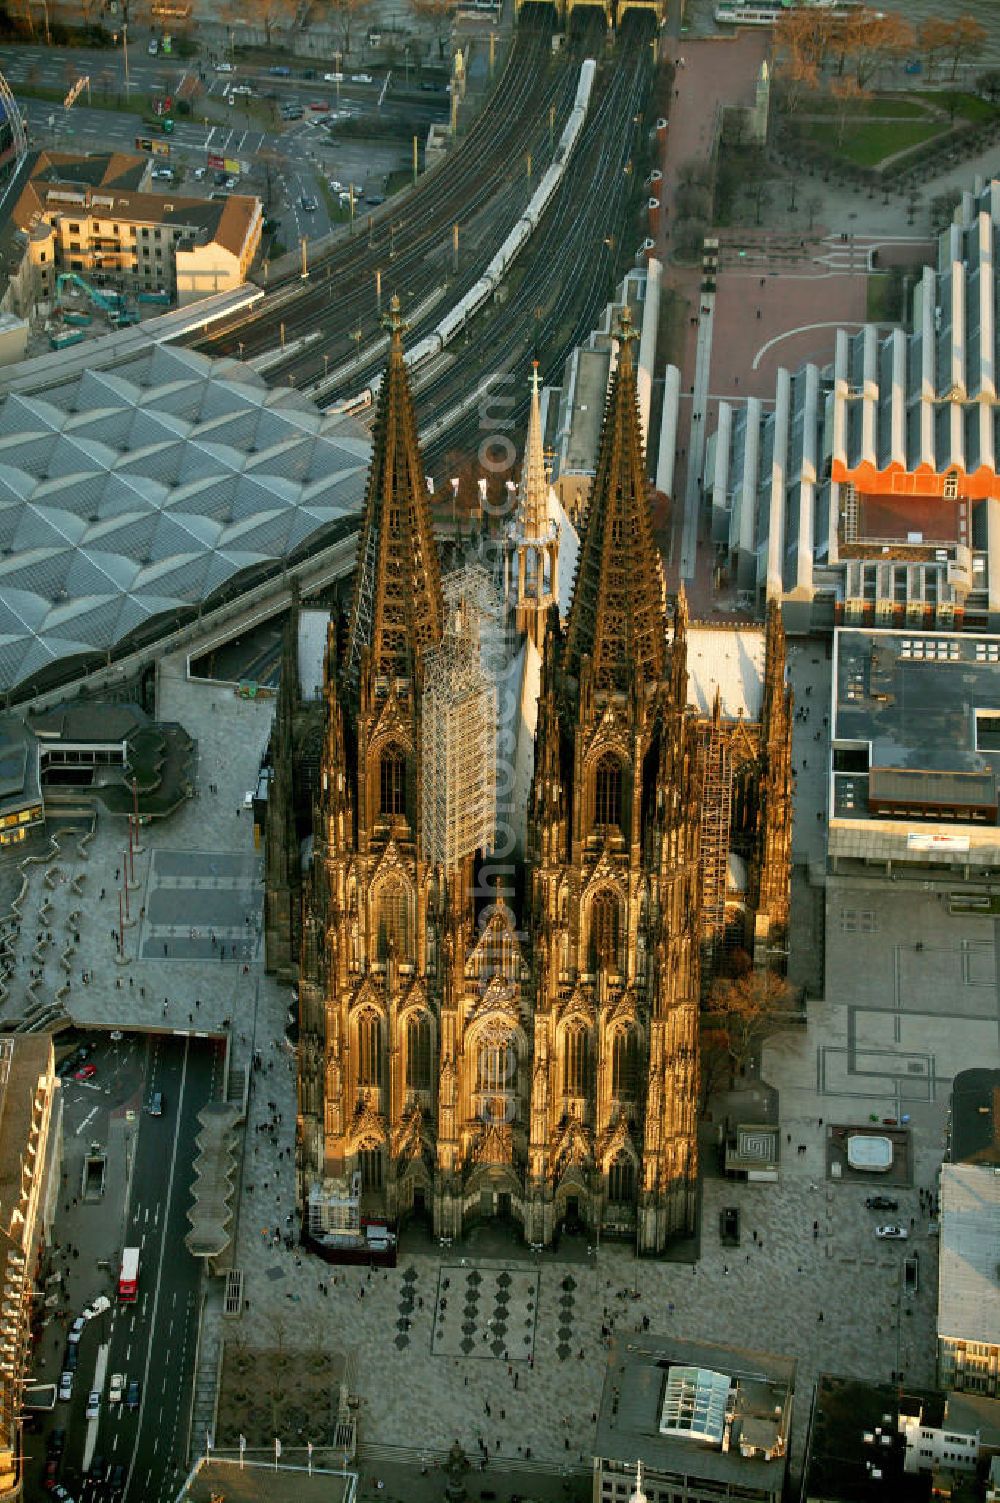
x=895, y=107
x=969, y=106
x=869, y=144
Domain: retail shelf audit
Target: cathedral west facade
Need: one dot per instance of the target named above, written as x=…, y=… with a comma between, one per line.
x=500, y=1017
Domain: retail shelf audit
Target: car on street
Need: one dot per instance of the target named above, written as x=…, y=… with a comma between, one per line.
x=71, y=1357
x=76, y=1330
x=333, y=78
x=881, y=1203
x=93, y=1404
x=224, y=68
x=132, y=1396
x=911, y=1274
x=309, y=204
x=280, y=71
x=153, y=47
x=231, y=183
x=892, y=1233
x=61, y=1494
x=66, y=1386
x=56, y=1443
x=321, y=106
x=361, y=78
x=160, y=175
x=292, y=112
x=117, y=1478
x=156, y=1100
x=336, y=186
x=116, y=1388
x=98, y=1469
x=50, y=1474
x=87, y=1072
x=198, y=175
x=374, y=199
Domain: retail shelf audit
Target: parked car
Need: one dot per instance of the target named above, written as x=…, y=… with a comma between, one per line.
x=76, y=1330
x=224, y=68
x=333, y=78
x=97, y=1306
x=361, y=78
x=320, y=106
x=292, y=112
x=729, y=1226
x=280, y=71
x=116, y=1388
x=87, y=1072
x=132, y=1396
x=160, y=175
x=66, y=1385
x=374, y=199
x=911, y=1274
x=93, y=1404
x=231, y=183
x=881, y=1203
x=71, y=1357
x=153, y=47
x=895, y=1233
x=198, y=175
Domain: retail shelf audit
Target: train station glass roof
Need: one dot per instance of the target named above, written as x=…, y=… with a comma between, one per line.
x=133, y=497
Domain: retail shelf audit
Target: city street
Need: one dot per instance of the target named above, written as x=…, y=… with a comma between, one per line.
x=284, y=161
x=153, y=1341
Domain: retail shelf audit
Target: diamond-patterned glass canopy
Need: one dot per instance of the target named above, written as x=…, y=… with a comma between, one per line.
x=143, y=491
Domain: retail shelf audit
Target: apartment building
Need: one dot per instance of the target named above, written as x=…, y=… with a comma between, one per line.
x=96, y=216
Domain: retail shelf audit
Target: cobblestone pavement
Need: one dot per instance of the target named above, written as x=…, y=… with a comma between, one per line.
x=815, y=1253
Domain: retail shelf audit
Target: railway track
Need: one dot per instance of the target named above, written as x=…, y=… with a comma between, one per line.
x=556, y=298
x=480, y=187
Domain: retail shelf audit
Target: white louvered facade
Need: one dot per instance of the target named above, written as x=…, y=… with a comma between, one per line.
x=868, y=493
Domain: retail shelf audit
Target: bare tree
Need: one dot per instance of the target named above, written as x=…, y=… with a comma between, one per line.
x=344, y=16
x=847, y=94
x=438, y=14
x=270, y=14
x=934, y=42
x=967, y=40
x=749, y=1008
x=872, y=37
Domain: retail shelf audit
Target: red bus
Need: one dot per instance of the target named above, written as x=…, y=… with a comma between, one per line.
x=128, y=1279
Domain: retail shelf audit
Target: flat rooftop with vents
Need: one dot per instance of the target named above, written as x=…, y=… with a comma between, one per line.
x=712, y=1420
x=915, y=746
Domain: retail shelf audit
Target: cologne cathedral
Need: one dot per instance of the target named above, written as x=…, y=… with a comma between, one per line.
x=510, y=837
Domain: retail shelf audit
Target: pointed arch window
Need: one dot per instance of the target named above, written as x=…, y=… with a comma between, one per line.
x=393, y=923
x=608, y=791
x=370, y=1164
x=576, y=1062
x=621, y=1180
x=496, y=1081
x=605, y=931
x=392, y=782
x=369, y=1050
x=624, y=1065
x=418, y=1054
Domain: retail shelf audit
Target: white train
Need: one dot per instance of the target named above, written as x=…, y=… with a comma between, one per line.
x=454, y=321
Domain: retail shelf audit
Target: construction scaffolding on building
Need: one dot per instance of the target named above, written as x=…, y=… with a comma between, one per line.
x=716, y=811
x=458, y=765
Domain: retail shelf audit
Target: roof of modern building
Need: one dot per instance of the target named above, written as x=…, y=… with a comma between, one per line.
x=968, y=1283
x=19, y=779
x=975, y=1117
x=732, y=659
x=133, y=495
x=974, y=1414
x=668, y=1402
x=919, y=702
x=854, y=1434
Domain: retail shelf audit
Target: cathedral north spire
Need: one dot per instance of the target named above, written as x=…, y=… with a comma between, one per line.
x=532, y=501
x=398, y=610
x=617, y=615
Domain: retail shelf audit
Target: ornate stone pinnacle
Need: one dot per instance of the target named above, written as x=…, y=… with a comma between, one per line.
x=394, y=320
x=627, y=330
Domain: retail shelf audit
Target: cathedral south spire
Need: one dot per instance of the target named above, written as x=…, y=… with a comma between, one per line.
x=617, y=616
x=398, y=610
